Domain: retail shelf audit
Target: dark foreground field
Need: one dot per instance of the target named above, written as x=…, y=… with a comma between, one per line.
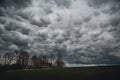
x=82, y=73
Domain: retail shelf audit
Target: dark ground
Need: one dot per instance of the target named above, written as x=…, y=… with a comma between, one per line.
x=81, y=73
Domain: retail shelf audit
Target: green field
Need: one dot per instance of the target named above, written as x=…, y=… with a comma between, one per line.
x=81, y=73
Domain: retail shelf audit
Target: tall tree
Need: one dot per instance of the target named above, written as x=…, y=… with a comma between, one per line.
x=34, y=59
x=9, y=57
x=59, y=62
x=60, y=50
x=44, y=60
x=23, y=58
x=52, y=57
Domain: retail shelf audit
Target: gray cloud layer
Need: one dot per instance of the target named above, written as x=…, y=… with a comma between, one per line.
x=86, y=31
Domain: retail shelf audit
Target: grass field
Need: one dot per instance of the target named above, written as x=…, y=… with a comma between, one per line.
x=81, y=73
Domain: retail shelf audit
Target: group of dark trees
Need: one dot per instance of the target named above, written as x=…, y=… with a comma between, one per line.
x=23, y=60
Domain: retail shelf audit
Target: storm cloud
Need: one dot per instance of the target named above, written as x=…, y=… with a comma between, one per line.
x=85, y=31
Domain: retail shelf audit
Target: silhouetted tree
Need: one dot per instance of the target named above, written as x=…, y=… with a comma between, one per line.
x=9, y=57
x=45, y=59
x=34, y=59
x=52, y=58
x=59, y=62
x=59, y=50
x=23, y=58
x=40, y=61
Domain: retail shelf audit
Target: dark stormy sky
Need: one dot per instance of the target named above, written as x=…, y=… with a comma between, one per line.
x=84, y=31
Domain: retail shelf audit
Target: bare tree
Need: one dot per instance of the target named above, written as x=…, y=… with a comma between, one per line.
x=17, y=53
x=59, y=50
x=40, y=61
x=23, y=58
x=52, y=58
x=9, y=57
x=34, y=59
x=44, y=60
x=59, y=62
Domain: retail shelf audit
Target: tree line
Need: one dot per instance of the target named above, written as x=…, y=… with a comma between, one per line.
x=21, y=59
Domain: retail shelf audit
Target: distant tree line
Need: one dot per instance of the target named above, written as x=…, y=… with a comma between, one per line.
x=23, y=60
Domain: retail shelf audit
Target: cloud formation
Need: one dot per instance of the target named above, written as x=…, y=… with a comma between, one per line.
x=86, y=31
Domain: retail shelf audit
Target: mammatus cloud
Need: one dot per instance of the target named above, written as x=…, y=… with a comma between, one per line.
x=85, y=31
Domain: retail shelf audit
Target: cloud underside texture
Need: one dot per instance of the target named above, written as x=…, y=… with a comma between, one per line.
x=84, y=31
